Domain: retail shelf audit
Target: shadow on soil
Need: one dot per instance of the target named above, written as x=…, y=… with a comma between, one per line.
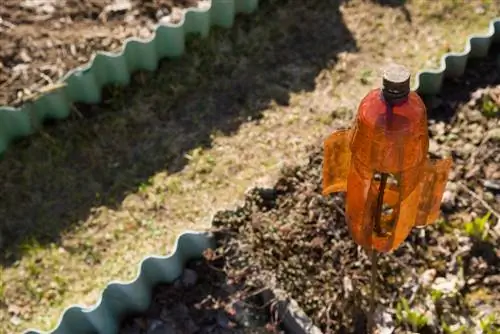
x=205, y=301
x=52, y=181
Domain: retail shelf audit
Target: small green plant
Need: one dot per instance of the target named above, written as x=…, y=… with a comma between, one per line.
x=365, y=77
x=407, y=317
x=143, y=187
x=489, y=324
x=478, y=228
x=436, y=295
x=444, y=225
x=447, y=329
x=489, y=107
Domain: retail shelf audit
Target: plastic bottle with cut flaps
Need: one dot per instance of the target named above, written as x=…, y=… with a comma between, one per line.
x=386, y=149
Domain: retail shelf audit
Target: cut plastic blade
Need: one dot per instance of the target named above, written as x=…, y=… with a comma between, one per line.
x=336, y=162
x=432, y=189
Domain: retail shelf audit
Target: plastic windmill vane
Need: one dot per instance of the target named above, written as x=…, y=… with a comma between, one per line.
x=381, y=163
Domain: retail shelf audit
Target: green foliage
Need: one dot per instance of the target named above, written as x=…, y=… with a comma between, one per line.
x=489, y=324
x=365, y=77
x=489, y=107
x=405, y=316
x=447, y=329
x=436, y=295
x=478, y=228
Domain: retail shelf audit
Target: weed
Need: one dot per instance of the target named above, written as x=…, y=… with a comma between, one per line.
x=405, y=316
x=436, y=295
x=489, y=107
x=489, y=325
x=365, y=77
x=453, y=329
x=478, y=228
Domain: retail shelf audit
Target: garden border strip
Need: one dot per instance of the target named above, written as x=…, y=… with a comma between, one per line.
x=120, y=298
x=84, y=84
x=453, y=64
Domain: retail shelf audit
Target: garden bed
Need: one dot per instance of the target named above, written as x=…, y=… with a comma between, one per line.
x=204, y=300
x=42, y=40
x=444, y=278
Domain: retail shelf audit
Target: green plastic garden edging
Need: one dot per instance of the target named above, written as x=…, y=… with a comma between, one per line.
x=84, y=84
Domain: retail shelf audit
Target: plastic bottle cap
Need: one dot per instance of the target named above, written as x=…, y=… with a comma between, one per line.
x=396, y=80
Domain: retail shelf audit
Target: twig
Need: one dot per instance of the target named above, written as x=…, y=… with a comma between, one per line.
x=479, y=198
x=339, y=209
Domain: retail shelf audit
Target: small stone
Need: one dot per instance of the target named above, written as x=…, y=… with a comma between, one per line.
x=15, y=320
x=433, y=147
x=204, y=4
x=347, y=286
x=493, y=280
x=494, y=134
x=449, y=285
x=491, y=184
x=189, y=278
x=475, y=116
x=154, y=324
x=453, y=137
x=449, y=200
x=480, y=10
x=428, y=277
x=467, y=149
x=489, y=197
x=161, y=12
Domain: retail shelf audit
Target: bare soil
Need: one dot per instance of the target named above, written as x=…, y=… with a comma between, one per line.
x=42, y=40
x=293, y=236
x=204, y=301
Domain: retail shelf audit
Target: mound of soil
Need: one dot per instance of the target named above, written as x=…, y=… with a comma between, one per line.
x=42, y=40
x=444, y=276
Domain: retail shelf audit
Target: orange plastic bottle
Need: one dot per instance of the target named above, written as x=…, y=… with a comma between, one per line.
x=382, y=164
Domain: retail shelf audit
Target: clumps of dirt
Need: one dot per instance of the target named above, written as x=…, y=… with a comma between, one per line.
x=444, y=276
x=466, y=125
x=42, y=40
x=203, y=301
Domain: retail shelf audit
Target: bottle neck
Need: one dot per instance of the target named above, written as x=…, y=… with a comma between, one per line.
x=394, y=97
